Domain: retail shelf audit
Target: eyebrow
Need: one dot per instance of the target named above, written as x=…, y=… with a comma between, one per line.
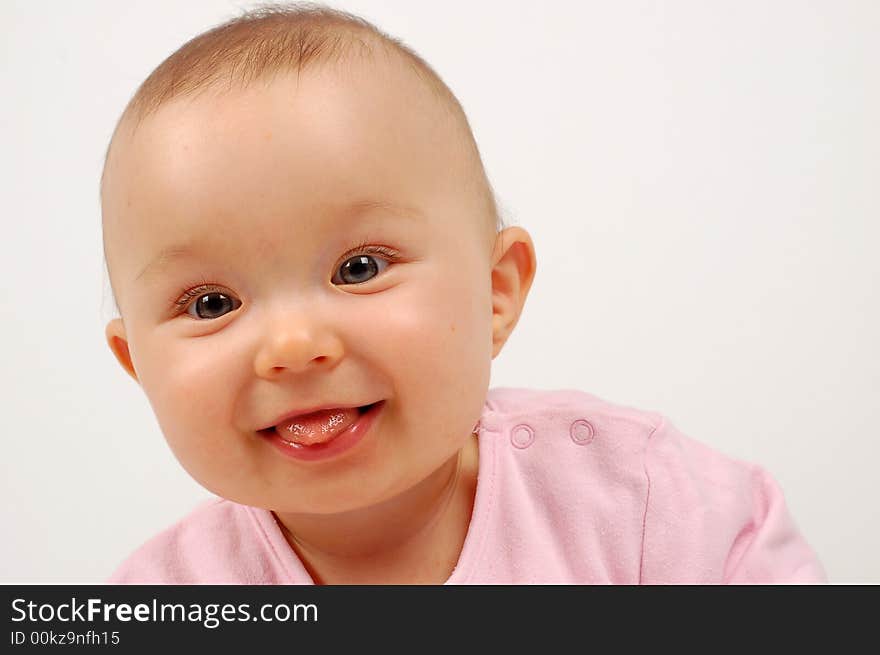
x=182, y=250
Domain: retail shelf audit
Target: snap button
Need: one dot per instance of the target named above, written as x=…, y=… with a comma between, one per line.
x=582, y=432
x=522, y=436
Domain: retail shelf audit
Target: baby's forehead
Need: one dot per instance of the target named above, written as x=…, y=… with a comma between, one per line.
x=342, y=120
x=384, y=100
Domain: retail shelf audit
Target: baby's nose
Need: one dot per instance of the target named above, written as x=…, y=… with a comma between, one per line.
x=296, y=347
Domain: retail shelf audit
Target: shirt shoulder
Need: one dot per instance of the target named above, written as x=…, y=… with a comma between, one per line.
x=562, y=488
x=629, y=498
x=614, y=441
x=218, y=542
x=540, y=425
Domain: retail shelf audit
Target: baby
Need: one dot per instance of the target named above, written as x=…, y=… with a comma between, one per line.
x=313, y=281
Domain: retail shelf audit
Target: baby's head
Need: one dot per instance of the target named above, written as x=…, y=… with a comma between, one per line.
x=246, y=188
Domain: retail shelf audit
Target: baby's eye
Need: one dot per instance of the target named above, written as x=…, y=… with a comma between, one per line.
x=212, y=305
x=360, y=269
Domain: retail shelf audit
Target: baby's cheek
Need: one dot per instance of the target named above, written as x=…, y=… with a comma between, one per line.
x=439, y=328
x=170, y=374
x=189, y=391
x=464, y=317
x=413, y=318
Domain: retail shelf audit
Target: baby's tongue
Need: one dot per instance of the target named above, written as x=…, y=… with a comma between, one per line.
x=317, y=427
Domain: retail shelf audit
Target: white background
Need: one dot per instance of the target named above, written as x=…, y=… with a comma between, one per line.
x=700, y=180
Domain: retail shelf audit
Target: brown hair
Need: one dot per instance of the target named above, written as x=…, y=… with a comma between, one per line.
x=275, y=38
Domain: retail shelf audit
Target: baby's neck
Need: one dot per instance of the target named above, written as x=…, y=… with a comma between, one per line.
x=415, y=538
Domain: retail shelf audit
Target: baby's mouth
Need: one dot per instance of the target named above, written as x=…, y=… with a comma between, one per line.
x=318, y=427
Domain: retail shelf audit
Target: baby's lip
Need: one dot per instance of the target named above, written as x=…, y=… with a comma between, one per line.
x=309, y=410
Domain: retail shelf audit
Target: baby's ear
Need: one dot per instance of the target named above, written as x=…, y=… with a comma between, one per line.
x=115, y=333
x=512, y=276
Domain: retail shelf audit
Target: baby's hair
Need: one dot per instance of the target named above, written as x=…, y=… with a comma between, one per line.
x=277, y=38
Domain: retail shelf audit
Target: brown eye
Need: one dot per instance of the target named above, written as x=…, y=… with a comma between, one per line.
x=212, y=305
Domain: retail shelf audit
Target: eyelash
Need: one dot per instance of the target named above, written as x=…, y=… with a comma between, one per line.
x=185, y=296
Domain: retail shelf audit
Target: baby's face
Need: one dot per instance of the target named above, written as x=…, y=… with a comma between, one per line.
x=259, y=196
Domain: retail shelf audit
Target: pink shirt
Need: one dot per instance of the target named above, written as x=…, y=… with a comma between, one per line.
x=570, y=489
